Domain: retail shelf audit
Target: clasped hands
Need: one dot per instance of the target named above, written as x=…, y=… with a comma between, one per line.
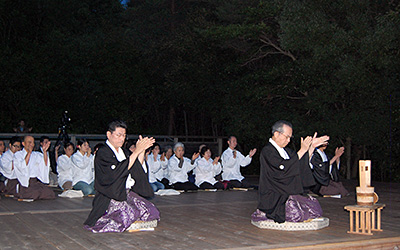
x=313, y=142
x=144, y=143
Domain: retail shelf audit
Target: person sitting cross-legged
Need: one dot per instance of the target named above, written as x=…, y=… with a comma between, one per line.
x=32, y=171
x=179, y=167
x=157, y=165
x=206, y=170
x=7, y=166
x=65, y=167
x=83, y=168
x=232, y=161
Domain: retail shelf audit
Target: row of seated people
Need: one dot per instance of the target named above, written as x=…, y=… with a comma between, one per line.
x=25, y=171
x=167, y=170
x=76, y=170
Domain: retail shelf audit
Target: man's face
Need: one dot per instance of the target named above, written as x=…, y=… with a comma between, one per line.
x=84, y=147
x=44, y=142
x=169, y=153
x=179, y=151
x=156, y=150
x=69, y=150
x=207, y=154
x=283, y=139
x=16, y=146
x=29, y=143
x=232, y=142
x=2, y=146
x=117, y=137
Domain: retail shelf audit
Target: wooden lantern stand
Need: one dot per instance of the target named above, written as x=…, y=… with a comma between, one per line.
x=365, y=217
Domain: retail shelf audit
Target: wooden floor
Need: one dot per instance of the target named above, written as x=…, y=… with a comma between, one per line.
x=202, y=220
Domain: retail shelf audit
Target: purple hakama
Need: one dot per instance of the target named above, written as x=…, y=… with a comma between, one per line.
x=121, y=214
x=298, y=208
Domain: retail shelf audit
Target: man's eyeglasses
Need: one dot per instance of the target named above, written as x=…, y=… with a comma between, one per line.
x=287, y=136
x=120, y=135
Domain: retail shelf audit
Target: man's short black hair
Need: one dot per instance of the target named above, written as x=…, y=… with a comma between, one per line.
x=204, y=150
x=66, y=145
x=44, y=137
x=15, y=139
x=113, y=125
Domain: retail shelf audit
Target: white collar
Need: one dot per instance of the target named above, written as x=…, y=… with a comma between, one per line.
x=119, y=154
x=323, y=155
x=282, y=152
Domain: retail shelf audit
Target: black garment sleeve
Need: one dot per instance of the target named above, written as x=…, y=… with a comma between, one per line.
x=142, y=186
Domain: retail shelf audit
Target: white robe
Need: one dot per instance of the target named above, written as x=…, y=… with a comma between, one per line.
x=36, y=168
x=206, y=171
x=156, y=168
x=83, y=168
x=231, y=166
x=64, y=169
x=6, y=165
x=176, y=174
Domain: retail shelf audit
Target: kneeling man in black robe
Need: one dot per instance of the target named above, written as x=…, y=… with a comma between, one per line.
x=284, y=172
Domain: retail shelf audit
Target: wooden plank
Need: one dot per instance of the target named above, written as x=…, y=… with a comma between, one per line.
x=203, y=220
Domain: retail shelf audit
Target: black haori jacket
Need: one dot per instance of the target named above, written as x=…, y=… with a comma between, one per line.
x=110, y=181
x=280, y=178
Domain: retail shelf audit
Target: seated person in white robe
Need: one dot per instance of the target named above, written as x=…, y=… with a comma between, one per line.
x=7, y=166
x=326, y=172
x=83, y=168
x=2, y=147
x=65, y=166
x=206, y=170
x=163, y=176
x=32, y=171
x=157, y=165
x=2, y=177
x=232, y=161
x=52, y=155
x=179, y=167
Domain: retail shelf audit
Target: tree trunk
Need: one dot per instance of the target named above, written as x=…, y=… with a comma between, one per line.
x=364, y=152
x=171, y=123
x=357, y=157
x=348, y=158
x=186, y=123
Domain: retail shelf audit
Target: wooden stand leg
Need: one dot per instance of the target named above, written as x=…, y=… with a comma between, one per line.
x=368, y=222
x=373, y=220
x=363, y=222
x=379, y=220
x=357, y=221
x=351, y=222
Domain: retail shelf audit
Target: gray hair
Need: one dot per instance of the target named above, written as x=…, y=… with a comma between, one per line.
x=179, y=144
x=278, y=126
